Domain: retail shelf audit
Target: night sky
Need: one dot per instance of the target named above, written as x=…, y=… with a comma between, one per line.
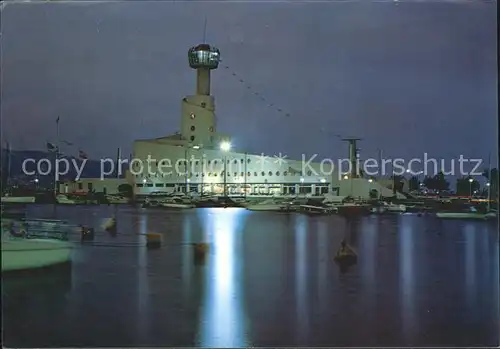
x=409, y=77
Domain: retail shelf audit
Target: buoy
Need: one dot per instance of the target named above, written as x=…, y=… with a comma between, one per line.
x=154, y=240
x=87, y=234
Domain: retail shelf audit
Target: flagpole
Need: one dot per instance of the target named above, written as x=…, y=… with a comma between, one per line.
x=56, y=157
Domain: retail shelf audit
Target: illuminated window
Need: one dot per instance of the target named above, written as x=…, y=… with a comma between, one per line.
x=277, y=173
x=270, y=173
x=263, y=173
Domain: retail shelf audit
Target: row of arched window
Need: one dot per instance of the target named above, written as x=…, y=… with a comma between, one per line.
x=235, y=174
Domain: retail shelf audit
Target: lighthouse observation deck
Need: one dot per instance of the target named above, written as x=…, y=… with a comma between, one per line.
x=204, y=56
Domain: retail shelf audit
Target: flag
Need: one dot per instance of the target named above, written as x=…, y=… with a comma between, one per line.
x=51, y=147
x=82, y=155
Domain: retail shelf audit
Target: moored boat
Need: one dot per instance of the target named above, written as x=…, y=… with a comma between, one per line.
x=35, y=244
x=275, y=205
x=466, y=213
x=175, y=203
x=18, y=199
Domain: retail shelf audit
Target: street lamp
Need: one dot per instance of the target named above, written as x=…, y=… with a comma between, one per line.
x=470, y=187
x=225, y=147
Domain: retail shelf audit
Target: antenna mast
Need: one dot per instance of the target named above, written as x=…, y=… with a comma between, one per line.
x=205, y=31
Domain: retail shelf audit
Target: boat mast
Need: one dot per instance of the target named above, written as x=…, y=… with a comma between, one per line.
x=489, y=182
x=56, y=157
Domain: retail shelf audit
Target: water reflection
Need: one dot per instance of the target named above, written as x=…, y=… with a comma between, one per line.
x=269, y=280
x=223, y=320
x=407, y=278
x=469, y=234
x=301, y=297
x=143, y=291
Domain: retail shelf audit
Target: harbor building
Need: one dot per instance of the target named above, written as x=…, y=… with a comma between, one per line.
x=200, y=159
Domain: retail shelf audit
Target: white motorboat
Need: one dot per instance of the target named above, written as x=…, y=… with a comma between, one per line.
x=389, y=208
x=270, y=205
x=469, y=213
x=117, y=199
x=24, y=250
x=18, y=199
x=176, y=203
x=65, y=200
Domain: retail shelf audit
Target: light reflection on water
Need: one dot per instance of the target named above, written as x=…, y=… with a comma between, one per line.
x=269, y=280
x=222, y=317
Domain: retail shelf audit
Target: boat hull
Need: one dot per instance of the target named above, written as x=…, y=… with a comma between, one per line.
x=176, y=206
x=18, y=199
x=24, y=254
x=465, y=215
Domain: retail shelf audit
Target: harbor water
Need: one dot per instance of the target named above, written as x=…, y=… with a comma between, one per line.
x=269, y=279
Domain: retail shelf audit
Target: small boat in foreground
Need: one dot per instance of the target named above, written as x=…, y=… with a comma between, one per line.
x=24, y=248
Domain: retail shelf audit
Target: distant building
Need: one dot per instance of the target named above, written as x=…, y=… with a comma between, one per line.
x=201, y=159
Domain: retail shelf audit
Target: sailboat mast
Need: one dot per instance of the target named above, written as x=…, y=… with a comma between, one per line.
x=56, y=157
x=489, y=182
x=9, y=163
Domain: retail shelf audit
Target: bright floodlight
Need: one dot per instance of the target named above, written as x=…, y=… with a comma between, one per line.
x=346, y=177
x=471, y=180
x=225, y=146
x=323, y=180
x=370, y=180
x=302, y=180
x=488, y=184
x=144, y=180
x=36, y=180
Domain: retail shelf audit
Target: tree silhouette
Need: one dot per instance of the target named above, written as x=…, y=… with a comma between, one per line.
x=414, y=183
x=465, y=187
x=429, y=182
x=397, y=183
x=440, y=182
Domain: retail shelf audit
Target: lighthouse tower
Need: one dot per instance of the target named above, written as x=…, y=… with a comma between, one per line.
x=198, y=123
